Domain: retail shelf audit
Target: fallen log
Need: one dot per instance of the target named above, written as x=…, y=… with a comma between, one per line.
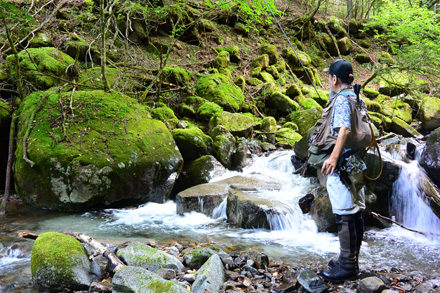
x=115, y=262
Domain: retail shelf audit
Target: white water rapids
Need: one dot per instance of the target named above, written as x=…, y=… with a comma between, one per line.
x=294, y=238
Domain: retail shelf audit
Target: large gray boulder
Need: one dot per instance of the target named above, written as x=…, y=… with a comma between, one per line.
x=210, y=277
x=140, y=255
x=108, y=151
x=138, y=280
x=60, y=261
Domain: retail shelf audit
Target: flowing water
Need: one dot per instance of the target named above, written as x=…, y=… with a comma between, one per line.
x=293, y=239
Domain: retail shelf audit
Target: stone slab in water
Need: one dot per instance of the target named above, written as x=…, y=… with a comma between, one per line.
x=204, y=198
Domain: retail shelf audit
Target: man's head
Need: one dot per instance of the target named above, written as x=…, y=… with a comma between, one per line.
x=340, y=74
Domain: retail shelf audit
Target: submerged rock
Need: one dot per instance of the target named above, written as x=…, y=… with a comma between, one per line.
x=59, y=260
x=108, y=151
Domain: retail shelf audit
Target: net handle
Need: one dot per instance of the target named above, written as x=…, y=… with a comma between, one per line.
x=373, y=143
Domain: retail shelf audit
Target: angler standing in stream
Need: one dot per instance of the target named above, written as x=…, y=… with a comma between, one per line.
x=340, y=149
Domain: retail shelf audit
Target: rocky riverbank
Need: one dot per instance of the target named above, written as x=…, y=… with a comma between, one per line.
x=201, y=267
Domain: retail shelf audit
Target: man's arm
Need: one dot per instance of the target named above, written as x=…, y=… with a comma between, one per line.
x=330, y=164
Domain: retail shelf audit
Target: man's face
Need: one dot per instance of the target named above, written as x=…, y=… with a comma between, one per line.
x=332, y=81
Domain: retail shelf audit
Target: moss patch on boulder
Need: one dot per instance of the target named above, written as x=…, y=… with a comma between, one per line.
x=176, y=75
x=42, y=67
x=430, y=113
x=5, y=112
x=219, y=89
x=207, y=110
x=305, y=119
x=236, y=123
x=166, y=115
x=192, y=143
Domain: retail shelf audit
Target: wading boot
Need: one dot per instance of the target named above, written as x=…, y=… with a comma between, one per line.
x=347, y=267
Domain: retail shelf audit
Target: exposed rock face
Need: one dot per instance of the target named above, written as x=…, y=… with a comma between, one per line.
x=144, y=256
x=430, y=112
x=58, y=259
x=104, y=154
x=430, y=159
x=136, y=279
x=210, y=276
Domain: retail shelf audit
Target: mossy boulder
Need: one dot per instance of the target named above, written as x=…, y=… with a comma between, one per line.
x=370, y=93
x=207, y=110
x=272, y=52
x=294, y=91
x=222, y=60
x=344, y=46
x=329, y=44
x=266, y=77
x=91, y=78
x=240, y=82
x=321, y=97
x=210, y=277
x=336, y=26
x=308, y=103
x=430, y=113
x=269, y=127
x=287, y=135
x=199, y=171
x=196, y=257
x=373, y=106
x=394, y=84
x=291, y=58
x=273, y=71
x=41, y=67
x=234, y=53
x=176, y=75
x=282, y=103
x=5, y=113
x=108, y=151
x=305, y=119
x=261, y=61
x=137, y=280
x=395, y=107
x=76, y=47
x=223, y=149
x=141, y=255
x=166, y=115
x=401, y=127
x=192, y=143
x=41, y=39
x=60, y=261
x=236, y=123
x=384, y=120
x=310, y=77
x=221, y=90
x=254, y=81
x=362, y=58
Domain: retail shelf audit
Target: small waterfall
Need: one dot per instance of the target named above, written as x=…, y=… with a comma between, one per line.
x=220, y=211
x=407, y=203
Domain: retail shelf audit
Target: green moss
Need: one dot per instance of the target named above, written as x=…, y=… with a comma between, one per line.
x=192, y=142
x=54, y=257
x=293, y=60
x=267, y=77
x=373, y=106
x=176, y=75
x=370, y=93
x=38, y=63
x=254, y=81
x=207, y=110
x=166, y=115
x=283, y=103
x=261, y=61
x=305, y=119
x=236, y=123
x=308, y=103
x=92, y=78
x=273, y=71
x=287, y=135
x=272, y=52
x=219, y=89
x=5, y=111
x=240, y=82
x=321, y=97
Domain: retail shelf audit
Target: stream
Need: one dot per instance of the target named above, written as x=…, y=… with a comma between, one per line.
x=293, y=239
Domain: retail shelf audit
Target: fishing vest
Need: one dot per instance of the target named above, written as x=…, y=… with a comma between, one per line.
x=360, y=136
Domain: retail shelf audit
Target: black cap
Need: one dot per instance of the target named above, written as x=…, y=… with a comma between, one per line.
x=341, y=68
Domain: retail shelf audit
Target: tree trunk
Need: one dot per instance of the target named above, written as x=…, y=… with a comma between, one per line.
x=9, y=165
x=103, y=51
x=349, y=9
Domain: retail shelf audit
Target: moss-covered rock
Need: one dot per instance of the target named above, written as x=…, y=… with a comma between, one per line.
x=60, y=261
x=321, y=97
x=234, y=53
x=42, y=67
x=401, y=127
x=282, y=103
x=219, y=89
x=91, y=78
x=254, y=81
x=430, y=113
x=207, y=110
x=176, y=75
x=305, y=119
x=294, y=91
x=384, y=120
x=41, y=39
x=269, y=127
x=261, y=61
x=291, y=58
x=344, y=46
x=272, y=52
x=373, y=106
x=210, y=277
x=362, y=58
x=108, y=151
x=5, y=113
x=266, y=77
x=240, y=82
x=370, y=93
x=394, y=84
x=236, y=123
x=224, y=148
x=281, y=66
x=395, y=107
x=329, y=44
x=166, y=115
x=386, y=58
x=308, y=103
x=336, y=26
x=76, y=47
x=138, y=280
x=273, y=71
x=287, y=135
x=140, y=255
x=196, y=257
x=192, y=143
x=222, y=60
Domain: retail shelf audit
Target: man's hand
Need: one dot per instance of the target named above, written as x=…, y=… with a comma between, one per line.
x=329, y=166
